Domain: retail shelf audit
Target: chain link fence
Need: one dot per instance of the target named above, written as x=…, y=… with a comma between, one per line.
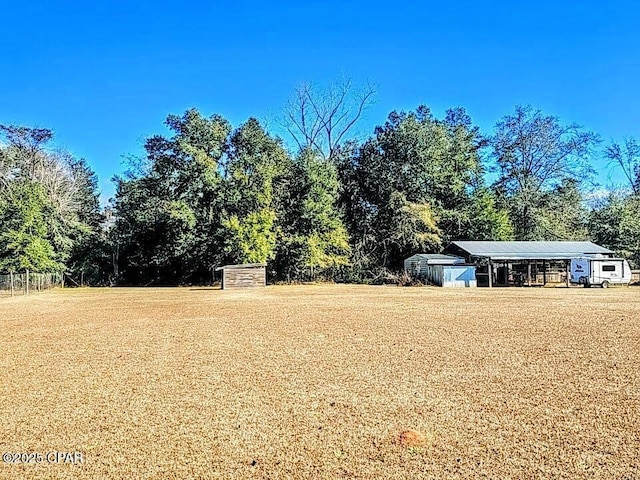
x=13, y=284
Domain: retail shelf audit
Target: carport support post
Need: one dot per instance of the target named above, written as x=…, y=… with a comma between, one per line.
x=544, y=272
x=11, y=280
x=490, y=271
x=568, y=270
x=529, y=272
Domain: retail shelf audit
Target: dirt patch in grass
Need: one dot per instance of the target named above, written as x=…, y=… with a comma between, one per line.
x=322, y=381
x=411, y=438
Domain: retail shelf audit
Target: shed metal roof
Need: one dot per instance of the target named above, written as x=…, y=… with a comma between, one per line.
x=243, y=265
x=531, y=250
x=437, y=258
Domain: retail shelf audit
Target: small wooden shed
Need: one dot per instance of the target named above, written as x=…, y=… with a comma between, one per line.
x=246, y=275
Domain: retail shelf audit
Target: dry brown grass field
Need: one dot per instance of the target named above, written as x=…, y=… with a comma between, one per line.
x=323, y=382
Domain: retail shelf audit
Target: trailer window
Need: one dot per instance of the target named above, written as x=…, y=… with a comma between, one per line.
x=608, y=268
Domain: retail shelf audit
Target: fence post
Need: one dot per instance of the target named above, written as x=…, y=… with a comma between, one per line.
x=27, y=282
x=11, y=281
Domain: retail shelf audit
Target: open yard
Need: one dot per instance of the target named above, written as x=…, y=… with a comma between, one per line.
x=321, y=381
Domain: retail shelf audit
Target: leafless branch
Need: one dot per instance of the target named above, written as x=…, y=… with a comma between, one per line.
x=321, y=120
x=627, y=158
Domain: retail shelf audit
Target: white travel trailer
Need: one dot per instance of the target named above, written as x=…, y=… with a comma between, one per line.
x=600, y=271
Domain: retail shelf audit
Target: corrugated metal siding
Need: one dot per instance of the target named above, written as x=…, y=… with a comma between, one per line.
x=415, y=267
x=415, y=264
x=459, y=276
x=441, y=275
x=452, y=275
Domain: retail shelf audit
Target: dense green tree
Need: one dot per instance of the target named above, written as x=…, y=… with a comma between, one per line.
x=201, y=198
x=564, y=216
x=250, y=238
x=313, y=238
x=615, y=224
x=168, y=207
x=255, y=164
x=153, y=233
x=90, y=252
x=68, y=188
x=24, y=239
x=415, y=163
x=409, y=227
x=426, y=159
x=485, y=220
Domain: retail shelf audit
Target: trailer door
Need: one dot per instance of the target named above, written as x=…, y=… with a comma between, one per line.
x=580, y=271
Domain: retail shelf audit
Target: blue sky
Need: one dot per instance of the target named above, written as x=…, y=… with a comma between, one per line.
x=104, y=75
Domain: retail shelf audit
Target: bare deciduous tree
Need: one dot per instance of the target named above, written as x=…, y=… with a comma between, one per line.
x=627, y=157
x=26, y=156
x=321, y=119
x=536, y=154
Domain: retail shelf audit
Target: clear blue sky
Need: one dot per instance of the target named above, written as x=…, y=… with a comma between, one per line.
x=104, y=75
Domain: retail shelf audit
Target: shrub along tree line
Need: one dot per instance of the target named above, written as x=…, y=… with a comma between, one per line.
x=209, y=194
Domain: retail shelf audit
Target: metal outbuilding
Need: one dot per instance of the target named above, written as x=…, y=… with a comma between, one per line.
x=246, y=275
x=524, y=262
x=441, y=270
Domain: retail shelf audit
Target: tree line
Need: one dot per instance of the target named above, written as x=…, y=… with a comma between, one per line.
x=332, y=208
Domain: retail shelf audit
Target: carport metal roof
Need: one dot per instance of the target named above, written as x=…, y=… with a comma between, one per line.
x=531, y=250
